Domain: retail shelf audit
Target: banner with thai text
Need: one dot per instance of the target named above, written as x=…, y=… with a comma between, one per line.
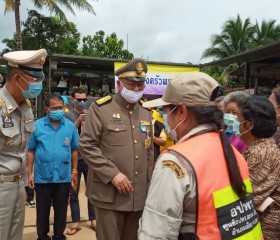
x=158, y=76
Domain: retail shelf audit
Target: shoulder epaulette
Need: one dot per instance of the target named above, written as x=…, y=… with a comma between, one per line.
x=103, y=100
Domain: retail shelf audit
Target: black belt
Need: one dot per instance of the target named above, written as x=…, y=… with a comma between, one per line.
x=11, y=178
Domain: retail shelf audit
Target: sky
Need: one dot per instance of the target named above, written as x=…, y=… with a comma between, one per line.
x=158, y=30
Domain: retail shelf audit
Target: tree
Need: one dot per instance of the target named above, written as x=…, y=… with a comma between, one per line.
x=100, y=45
x=265, y=33
x=51, y=5
x=235, y=38
x=51, y=33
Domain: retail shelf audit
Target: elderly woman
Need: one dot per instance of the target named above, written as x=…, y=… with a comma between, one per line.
x=257, y=126
x=275, y=100
x=230, y=119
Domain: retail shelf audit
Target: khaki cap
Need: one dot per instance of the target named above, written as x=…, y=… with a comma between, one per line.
x=193, y=89
x=30, y=62
x=135, y=70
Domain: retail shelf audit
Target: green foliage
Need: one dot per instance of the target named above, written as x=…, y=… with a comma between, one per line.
x=11, y=45
x=100, y=45
x=54, y=6
x=238, y=36
x=3, y=70
x=51, y=33
x=220, y=74
x=215, y=72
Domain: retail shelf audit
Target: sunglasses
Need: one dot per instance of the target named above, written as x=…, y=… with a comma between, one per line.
x=81, y=99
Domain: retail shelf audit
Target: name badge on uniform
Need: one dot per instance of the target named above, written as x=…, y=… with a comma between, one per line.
x=144, y=123
x=117, y=119
x=7, y=121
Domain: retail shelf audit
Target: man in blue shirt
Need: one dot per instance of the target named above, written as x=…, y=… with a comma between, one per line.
x=53, y=150
x=78, y=115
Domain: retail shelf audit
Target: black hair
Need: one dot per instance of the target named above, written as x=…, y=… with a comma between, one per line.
x=211, y=115
x=50, y=96
x=260, y=111
x=276, y=92
x=77, y=90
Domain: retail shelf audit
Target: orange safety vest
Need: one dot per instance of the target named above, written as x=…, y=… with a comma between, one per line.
x=220, y=212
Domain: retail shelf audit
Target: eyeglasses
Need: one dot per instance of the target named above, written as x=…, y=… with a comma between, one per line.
x=33, y=78
x=81, y=99
x=131, y=86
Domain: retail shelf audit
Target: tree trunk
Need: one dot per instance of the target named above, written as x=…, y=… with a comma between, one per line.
x=18, y=30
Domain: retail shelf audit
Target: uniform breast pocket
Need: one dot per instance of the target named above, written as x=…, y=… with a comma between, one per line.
x=117, y=135
x=9, y=137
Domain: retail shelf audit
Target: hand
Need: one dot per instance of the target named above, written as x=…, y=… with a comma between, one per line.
x=31, y=181
x=121, y=182
x=74, y=181
x=81, y=118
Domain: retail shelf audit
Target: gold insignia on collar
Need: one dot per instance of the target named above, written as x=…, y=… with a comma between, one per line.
x=174, y=167
x=103, y=100
x=1, y=102
x=139, y=68
x=42, y=61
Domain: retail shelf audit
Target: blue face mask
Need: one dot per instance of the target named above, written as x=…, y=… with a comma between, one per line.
x=80, y=105
x=166, y=126
x=33, y=91
x=231, y=121
x=56, y=115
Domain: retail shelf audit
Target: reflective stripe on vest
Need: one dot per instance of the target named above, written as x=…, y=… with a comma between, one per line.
x=220, y=213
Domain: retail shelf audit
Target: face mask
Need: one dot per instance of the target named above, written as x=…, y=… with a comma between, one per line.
x=56, y=114
x=235, y=128
x=240, y=134
x=131, y=96
x=166, y=126
x=229, y=120
x=172, y=132
x=80, y=105
x=33, y=91
x=233, y=125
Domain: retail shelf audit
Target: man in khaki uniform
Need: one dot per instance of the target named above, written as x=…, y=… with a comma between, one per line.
x=24, y=80
x=116, y=144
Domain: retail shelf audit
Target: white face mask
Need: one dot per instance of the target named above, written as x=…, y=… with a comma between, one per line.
x=172, y=133
x=131, y=96
x=244, y=131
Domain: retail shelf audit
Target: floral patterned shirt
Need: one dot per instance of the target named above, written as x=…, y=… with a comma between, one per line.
x=263, y=157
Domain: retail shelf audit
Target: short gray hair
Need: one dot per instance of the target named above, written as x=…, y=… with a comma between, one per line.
x=234, y=97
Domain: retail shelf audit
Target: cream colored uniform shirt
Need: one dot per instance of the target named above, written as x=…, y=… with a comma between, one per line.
x=170, y=207
x=15, y=128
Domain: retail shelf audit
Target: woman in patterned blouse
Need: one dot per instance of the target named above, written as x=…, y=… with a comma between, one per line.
x=257, y=126
x=275, y=100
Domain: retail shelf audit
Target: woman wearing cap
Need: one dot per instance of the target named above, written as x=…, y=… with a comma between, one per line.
x=200, y=187
x=257, y=126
